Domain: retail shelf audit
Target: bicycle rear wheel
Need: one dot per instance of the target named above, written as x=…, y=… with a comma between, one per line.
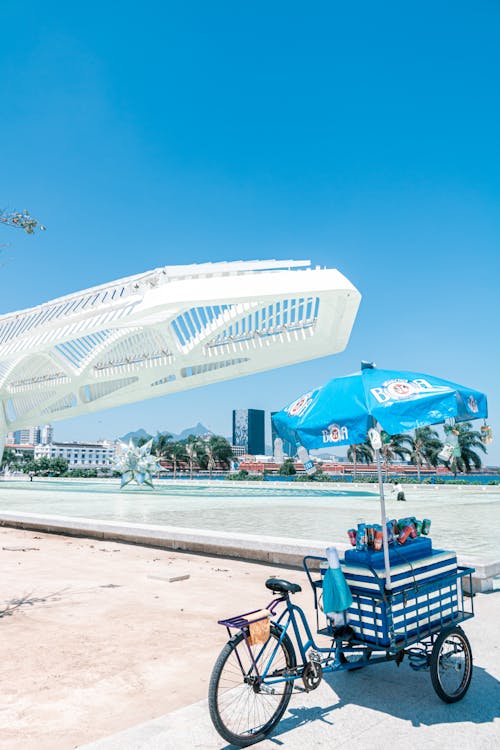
x=451, y=665
x=242, y=708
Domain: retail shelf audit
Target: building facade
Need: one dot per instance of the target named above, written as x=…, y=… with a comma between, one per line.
x=249, y=430
x=79, y=455
x=31, y=435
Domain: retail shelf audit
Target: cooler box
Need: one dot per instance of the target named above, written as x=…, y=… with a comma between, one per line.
x=404, y=575
x=424, y=598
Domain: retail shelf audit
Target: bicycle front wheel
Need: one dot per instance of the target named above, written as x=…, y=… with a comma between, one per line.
x=243, y=708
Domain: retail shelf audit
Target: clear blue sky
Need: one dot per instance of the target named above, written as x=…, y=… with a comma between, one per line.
x=363, y=136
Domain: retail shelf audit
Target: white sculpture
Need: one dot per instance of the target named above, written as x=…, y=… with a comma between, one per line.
x=136, y=464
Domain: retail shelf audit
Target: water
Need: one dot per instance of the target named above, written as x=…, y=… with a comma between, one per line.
x=464, y=518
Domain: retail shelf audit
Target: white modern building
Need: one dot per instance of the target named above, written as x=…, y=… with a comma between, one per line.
x=79, y=455
x=164, y=331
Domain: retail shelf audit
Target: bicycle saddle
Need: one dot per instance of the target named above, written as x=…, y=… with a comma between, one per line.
x=279, y=586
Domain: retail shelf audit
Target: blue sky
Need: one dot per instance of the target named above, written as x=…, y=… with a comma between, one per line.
x=362, y=136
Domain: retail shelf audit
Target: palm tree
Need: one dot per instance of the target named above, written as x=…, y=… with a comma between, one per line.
x=223, y=451
x=176, y=452
x=394, y=446
x=425, y=445
x=216, y=450
x=468, y=441
x=192, y=447
x=361, y=452
x=209, y=461
x=161, y=445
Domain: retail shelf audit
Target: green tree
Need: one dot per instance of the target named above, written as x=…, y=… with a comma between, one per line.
x=9, y=458
x=361, y=452
x=469, y=441
x=287, y=468
x=193, y=448
x=58, y=466
x=394, y=446
x=176, y=452
x=424, y=447
x=218, y=451
x=161, y=444
x=44, y=466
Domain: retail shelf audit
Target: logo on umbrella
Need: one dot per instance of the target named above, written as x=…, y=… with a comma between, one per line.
x=335, y=433
x=400, y=389
x=298, y=407
x=472, y=404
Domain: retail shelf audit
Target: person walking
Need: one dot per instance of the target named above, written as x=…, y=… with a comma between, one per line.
x=398, y=489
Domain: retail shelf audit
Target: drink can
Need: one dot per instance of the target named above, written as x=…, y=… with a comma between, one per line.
x=404, y=534
x=361, y=537
x=426, y=526
x=418, y=527
x=390, y=534
x=352, y=536
x=377, y=537
x=413, y=531
x=395, y=527
x=369, y=535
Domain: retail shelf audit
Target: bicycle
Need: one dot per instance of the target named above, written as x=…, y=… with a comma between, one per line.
x=253, y=678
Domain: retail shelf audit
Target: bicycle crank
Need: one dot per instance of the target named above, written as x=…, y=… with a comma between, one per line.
x=312, y=675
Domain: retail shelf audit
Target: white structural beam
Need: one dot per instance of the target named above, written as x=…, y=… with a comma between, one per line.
x=168, y=330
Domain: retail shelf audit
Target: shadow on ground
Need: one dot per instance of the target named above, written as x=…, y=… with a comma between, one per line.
x=399, y=692
x=11, y=606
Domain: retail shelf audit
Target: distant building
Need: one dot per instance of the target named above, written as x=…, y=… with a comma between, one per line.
x=47, y=434
x=31, y=435
x=239, y=450
x=79, y=455
x=249, y=430
x=288, y=448
x=27, y=436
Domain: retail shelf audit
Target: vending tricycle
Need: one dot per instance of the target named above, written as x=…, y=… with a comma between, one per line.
x=259, y=667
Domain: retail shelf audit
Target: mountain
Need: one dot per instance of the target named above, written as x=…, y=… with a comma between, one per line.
x=197, y=430
x=135, y=436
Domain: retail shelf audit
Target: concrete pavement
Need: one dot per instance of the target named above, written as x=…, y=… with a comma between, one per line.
x=371, y=708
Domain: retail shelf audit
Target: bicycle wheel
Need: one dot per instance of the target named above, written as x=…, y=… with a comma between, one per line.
x=451, y=665
x=242, y=709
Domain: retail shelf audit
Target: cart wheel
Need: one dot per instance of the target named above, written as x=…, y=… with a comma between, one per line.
x=451, y=665
x=355, y=659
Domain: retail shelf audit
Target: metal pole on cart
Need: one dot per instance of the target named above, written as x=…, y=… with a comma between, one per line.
x=385, y=540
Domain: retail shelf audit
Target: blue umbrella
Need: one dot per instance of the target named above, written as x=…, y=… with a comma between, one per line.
x=343, y=410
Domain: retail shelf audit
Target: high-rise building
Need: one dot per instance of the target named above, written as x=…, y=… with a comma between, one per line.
x=27, y=436
x=249, y=430
x=288, y=448
x=47, y=435
x=35, y=435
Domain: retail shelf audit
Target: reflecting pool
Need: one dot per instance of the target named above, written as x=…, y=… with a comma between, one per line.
x=464, y=518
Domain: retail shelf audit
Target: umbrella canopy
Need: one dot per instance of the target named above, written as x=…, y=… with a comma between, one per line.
x=341, y=411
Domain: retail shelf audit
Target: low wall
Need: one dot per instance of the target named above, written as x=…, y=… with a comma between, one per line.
x=269, y=549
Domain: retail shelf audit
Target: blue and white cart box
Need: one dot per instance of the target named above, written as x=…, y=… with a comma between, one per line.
x=404, y=574
x=423, y=598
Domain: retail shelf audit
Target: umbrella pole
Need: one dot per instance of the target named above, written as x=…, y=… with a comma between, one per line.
x=385, y=540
